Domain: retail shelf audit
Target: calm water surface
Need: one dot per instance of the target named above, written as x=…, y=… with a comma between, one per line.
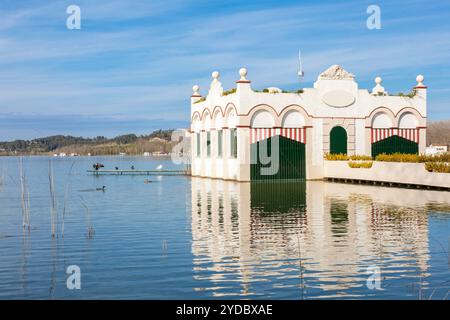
x=189, y=238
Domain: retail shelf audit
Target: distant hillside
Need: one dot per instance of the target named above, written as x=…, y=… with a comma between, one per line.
x=130, y=143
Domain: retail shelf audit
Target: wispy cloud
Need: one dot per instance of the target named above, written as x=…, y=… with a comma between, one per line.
x=143, y=58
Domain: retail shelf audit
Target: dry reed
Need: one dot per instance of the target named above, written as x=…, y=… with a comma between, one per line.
x=24, y=196
x=53, y=200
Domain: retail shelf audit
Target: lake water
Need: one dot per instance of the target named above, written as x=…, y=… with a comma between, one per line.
x=191, y=238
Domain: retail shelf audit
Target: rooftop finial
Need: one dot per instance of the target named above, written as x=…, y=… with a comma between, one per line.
x=378, y=89
x=419, y=80
x=243, y=74
x=195, y=90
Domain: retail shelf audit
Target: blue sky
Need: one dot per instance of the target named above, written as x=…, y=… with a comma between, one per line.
x=132, y=65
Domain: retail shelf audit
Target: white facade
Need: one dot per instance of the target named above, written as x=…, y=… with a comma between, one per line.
x=306, y=116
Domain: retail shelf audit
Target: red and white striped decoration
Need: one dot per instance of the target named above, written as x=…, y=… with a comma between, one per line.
x=297, y=134
x=381, y=134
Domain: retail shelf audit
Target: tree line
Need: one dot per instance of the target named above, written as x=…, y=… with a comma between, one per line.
x=57, y=142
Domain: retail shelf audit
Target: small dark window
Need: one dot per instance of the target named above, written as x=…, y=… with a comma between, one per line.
x=198, y=144
x=219, y=143
x=233, y=143
x=208, y=144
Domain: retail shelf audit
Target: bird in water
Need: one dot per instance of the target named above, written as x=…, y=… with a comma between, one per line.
x=103, y=188
x=159, y=167
x=147, y=181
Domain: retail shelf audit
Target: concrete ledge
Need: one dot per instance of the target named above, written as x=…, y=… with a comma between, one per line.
x=388, y=172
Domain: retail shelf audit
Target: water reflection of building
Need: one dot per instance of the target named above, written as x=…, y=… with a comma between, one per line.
x=248, y=235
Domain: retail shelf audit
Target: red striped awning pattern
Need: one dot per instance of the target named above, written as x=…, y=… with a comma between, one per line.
x=381, y=134
x=297, y=134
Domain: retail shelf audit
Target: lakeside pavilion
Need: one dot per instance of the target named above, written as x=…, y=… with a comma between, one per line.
x=231, y=131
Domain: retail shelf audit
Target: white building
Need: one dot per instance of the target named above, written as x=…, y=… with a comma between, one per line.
x=232, y=130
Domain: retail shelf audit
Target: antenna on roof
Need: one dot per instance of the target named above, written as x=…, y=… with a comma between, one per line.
x=300, y=72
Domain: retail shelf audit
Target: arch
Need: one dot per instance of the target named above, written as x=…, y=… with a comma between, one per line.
x=196, y=115
x=217, y=119
x=231, y=117
x=262, y=119
x=407, y=120
x=338, y=140
x=206, y=119
x=257, y=108
x=196, y=122
x=411, y=110
x=293, y=119
x=295, y=107
x=230, y=106
x=377, y=111
x=381, y=120
x=205, y=113
x=218, y=109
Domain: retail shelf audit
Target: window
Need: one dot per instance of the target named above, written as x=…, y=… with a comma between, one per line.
x=219, y=143
x=233, y=143
x=208, y=144
x=198, y=143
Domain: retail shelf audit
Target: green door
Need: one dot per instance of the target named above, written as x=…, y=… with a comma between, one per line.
x=394, y=144
x=291, y=160
x=338, y=140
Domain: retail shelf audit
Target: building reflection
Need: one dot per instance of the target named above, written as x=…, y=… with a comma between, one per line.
x=312, y=238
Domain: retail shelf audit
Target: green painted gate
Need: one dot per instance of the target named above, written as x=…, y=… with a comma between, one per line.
x=292, y=160
x=394, y=144
x=338, y=140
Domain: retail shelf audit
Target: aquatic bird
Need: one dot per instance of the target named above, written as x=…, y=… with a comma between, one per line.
x=101, y=189
x=97, y=166
x=159, y=167
x=132, y=167
x=147, y=181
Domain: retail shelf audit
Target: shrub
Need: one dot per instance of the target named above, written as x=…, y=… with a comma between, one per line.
x=200, y=100
x=336, y=157
x=364, y=165
x=344, y=157
x=398, y=157
x=404, y=157
x=409, y=94
x=231, y=91
x=441, y=167
x=360, y=157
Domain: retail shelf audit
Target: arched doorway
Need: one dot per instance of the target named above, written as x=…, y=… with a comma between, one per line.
x=338, y=140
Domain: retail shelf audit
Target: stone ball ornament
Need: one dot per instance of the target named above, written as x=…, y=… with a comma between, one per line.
x=196, y=89
x=419, y=80
x=243, y=75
